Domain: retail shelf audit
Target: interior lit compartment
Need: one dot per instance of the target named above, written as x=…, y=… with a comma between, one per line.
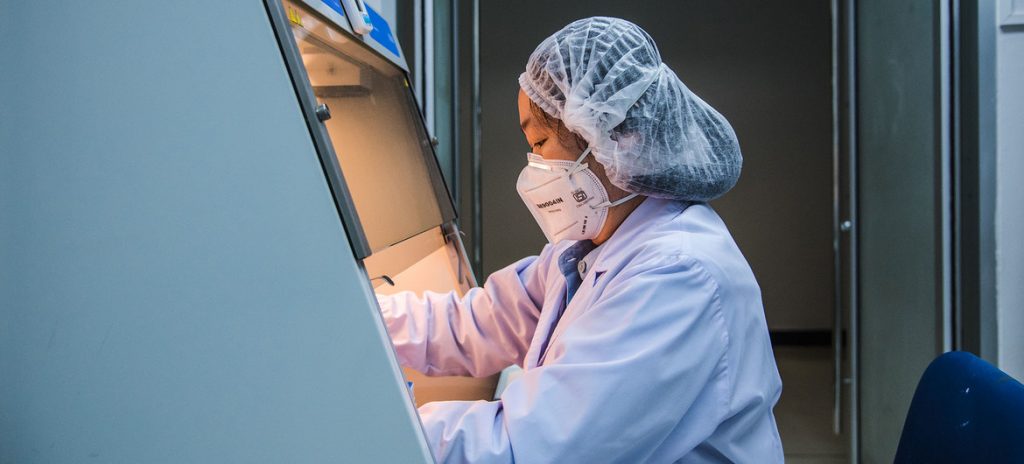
x=431, y=261
x=392, y=177
x=379, y=140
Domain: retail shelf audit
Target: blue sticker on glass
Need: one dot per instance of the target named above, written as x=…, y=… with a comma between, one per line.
x=335, y=5
x=382, y=32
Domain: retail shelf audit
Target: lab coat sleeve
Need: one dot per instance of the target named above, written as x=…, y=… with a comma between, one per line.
x=479, y=334
x=648, y=356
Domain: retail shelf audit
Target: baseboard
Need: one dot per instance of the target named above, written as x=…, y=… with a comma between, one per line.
x=801, y=337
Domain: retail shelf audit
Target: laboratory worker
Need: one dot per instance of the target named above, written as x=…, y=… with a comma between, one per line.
x=639, y=327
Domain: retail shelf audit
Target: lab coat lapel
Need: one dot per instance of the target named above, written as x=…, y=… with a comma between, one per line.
x=613, y=252
x=554, y=302
x=546, y=327
x=580, y=301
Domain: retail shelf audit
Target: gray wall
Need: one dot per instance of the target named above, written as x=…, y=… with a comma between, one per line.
x=765, y=66
x=900, y=213
x=1010, y=196
x=175, y=283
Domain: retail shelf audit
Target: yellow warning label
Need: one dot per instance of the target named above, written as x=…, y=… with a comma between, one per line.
x=294, y=17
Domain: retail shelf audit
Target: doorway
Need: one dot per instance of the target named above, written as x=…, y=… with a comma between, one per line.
x=771, y=69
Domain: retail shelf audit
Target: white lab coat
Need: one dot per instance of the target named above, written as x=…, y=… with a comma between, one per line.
x=662, y=356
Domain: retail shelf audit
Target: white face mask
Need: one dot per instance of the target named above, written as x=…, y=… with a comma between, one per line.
x=566, y=198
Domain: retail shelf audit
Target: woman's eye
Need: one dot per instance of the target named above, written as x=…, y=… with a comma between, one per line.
x=539, y=143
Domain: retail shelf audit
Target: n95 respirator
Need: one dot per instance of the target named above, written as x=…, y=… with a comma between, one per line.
x=566, y=198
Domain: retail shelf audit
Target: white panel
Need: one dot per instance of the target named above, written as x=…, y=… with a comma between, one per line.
x=184, y=290
x=1011, y=12
x=1010, y=199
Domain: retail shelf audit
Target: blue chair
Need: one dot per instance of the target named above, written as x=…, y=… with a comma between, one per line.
x=964, y=411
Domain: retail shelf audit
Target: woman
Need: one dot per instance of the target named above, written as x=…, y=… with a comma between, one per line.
x=640, y=326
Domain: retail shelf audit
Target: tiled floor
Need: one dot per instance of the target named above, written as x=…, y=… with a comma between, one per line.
x=804, y=413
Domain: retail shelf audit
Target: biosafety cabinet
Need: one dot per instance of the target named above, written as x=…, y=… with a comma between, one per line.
x=199, y=201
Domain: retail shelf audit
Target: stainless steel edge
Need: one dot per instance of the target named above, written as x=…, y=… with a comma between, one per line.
x=322, y=142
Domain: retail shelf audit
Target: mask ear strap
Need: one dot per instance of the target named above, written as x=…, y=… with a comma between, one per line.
x=579, y=166
x=584, y=155
x=618, y=202
x=579, y=161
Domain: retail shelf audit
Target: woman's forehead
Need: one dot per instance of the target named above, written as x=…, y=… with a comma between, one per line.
x=525, y=114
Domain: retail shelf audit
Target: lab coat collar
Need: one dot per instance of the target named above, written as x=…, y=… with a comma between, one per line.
x=651, y=213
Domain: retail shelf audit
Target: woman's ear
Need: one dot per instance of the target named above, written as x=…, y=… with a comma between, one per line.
x=598, y=169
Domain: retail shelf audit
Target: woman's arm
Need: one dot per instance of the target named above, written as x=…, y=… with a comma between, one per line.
x=647, y=357
x=479, y=334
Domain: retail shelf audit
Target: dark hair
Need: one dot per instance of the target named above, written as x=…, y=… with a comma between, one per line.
x=565, y=136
